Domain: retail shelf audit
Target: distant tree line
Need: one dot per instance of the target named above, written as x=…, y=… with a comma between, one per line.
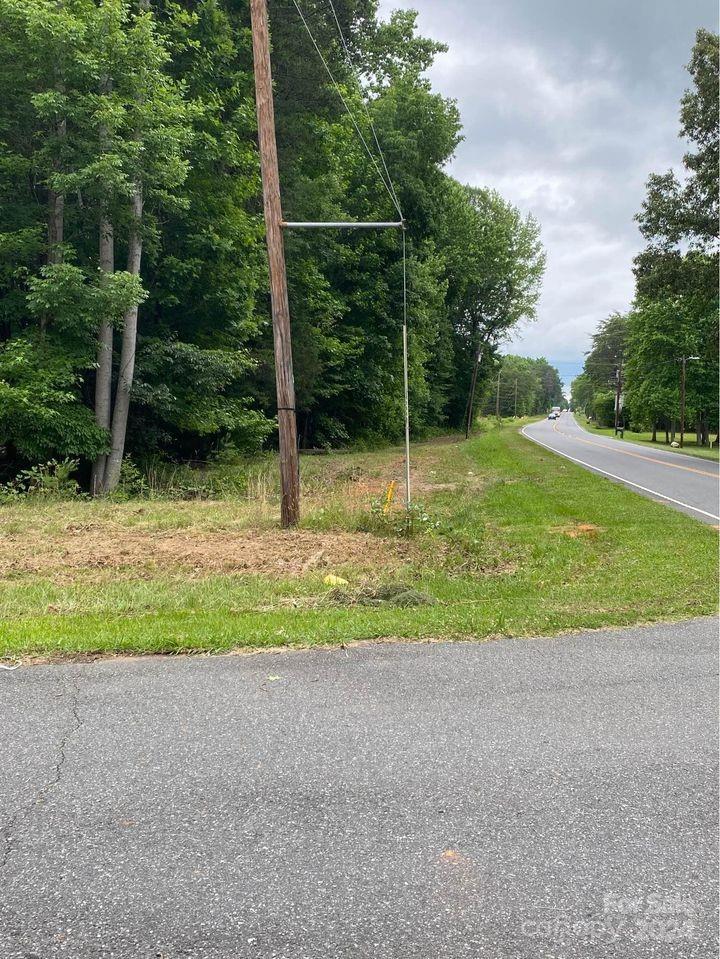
x=674, y=320
x=134, y=306
x=521, y=386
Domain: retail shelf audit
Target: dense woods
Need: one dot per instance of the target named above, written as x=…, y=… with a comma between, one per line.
x=134, y=310
x=674, y=319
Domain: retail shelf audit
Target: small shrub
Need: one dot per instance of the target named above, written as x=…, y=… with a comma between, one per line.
x=132, y=481
x=406, y=522
x=51, y=480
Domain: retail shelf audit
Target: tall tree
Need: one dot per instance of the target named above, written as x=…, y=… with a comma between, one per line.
x=158, y=134
x=676, y=312
x=149, y=332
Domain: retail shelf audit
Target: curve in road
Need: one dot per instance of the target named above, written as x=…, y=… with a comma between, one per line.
x=691, y=487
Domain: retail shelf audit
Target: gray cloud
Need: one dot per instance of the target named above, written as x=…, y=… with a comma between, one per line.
x=567, y=107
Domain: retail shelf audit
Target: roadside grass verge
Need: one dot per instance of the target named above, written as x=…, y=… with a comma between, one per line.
x=690, y=447
x=510, y=540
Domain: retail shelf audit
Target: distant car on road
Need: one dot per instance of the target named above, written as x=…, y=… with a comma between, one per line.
x=552, y=415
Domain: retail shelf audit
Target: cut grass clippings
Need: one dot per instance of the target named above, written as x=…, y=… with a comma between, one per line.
x=513, y=541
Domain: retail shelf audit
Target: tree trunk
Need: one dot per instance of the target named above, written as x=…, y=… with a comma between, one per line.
x=127, y=356
x=56, y=207
x=654, y=433
x=103, y=376
x=55, y=227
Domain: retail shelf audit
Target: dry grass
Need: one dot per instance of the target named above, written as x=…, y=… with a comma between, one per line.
x=580, y=529
x=78, y=540
x=94, y=552
x=509, y=540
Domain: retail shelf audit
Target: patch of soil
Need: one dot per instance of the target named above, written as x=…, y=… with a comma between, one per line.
x=282, y=553
x=579, y=530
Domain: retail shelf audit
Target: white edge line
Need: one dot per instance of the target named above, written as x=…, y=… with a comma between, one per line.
x=620, y=479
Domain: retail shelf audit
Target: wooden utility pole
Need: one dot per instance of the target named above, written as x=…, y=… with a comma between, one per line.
x=284, y=380
x=683, y=367
x=618, y=394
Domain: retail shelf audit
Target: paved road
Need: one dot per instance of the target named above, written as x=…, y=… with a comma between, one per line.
x=508, y=800
x=689, y=484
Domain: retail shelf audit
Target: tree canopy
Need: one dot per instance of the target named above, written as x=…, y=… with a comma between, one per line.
x=673, y=322
x=134, y=303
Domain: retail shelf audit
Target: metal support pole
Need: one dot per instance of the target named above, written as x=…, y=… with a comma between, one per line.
x=406, y=379
x=471, y=397
x=341, y=225
x=683, y=367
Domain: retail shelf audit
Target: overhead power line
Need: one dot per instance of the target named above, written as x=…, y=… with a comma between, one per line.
x=387, y=183
x=386, y=180
x=348, y=57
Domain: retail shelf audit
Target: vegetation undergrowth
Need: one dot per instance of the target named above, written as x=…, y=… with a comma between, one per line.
x=511, y=540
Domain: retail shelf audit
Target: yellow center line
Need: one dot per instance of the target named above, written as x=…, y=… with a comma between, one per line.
x=640, y=456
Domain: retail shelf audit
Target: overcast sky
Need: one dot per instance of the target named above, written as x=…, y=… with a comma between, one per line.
x=567, y=106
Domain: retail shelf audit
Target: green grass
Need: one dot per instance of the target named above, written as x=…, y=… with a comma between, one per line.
x=495, y=555
x=690, y=447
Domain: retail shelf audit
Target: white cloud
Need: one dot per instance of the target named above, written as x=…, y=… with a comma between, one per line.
x=567, y=108
x=530, y=85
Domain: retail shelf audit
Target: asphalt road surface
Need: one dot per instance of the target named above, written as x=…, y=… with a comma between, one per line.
x=690, y=484
x=509, y=800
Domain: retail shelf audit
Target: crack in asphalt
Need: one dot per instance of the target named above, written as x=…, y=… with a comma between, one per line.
x=8, y=830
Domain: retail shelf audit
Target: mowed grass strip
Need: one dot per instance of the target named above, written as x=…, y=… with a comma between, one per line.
x=514, y=541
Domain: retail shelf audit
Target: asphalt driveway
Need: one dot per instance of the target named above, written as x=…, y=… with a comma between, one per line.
x=517, y=798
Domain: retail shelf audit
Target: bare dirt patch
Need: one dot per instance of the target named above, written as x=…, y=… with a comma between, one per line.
x=88, y=548
x=580, y=530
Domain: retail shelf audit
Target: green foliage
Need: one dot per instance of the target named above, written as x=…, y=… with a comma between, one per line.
x=527, y=387
x=675, y=313
x=45, y=481
x=132, y=481
x=405, y=521
x=40, y=410
x=98, y=98
x=602, y=408
x=676, y=310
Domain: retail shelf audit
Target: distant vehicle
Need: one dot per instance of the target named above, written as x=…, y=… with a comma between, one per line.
x=556, y=409
x=553, y=415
